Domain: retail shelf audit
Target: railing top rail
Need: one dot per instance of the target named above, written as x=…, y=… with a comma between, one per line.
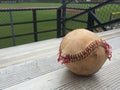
x=27, y=8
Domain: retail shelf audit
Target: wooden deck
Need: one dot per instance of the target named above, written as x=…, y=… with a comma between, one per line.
x=34, y=67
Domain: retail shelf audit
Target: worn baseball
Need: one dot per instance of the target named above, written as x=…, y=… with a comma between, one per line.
x=83, y=52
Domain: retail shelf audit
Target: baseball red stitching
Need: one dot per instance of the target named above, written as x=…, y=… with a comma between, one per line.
x=67, y=58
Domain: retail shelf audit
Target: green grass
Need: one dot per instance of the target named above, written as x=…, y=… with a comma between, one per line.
x=23, y=16
x=31, y=5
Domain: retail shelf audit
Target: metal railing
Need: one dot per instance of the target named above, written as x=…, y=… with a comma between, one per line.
x=34, y=22
x=92, y=20
x=63, y=18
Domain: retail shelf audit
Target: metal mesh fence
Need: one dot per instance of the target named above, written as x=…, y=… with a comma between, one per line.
x=39, y=23
x=25, y=25
x=104, y=14
x=9, y=30
x=4, y=17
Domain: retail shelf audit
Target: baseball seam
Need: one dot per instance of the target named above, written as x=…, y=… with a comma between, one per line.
x=67, y=58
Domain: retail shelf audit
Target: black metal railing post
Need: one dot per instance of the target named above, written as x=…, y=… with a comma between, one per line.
x=90, y=21
x=35, y=25
x=12, y=28
x=63, y=17
x=93, y=15
x=58, y=22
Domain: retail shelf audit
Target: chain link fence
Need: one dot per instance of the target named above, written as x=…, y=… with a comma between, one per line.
x=26, y=25
x=103, y=14
x=73, y=14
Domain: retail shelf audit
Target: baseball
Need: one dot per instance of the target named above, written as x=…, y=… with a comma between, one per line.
x=83, y=52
